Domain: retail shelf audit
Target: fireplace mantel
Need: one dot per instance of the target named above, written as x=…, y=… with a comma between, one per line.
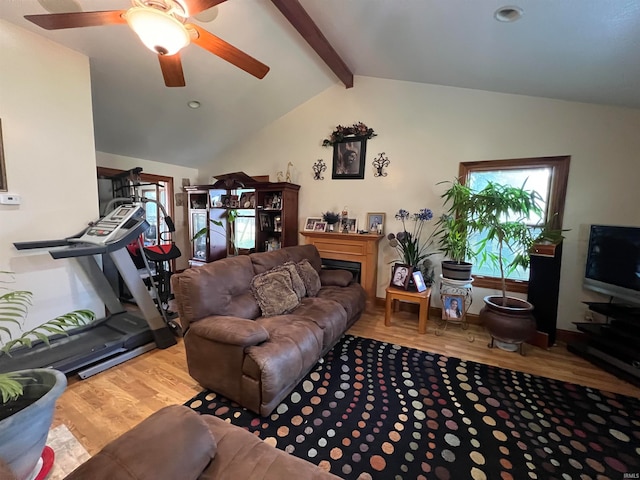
x=351, y=247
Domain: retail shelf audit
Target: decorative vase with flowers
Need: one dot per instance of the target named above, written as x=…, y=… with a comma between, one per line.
x=411, y=247
x=331, y=218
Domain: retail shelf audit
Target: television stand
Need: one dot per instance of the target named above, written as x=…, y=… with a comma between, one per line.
x=614, y=345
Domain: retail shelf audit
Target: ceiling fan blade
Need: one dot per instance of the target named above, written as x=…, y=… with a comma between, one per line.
x=197, y=6
x=228, y=52
x=57, y=21
x=171, y=67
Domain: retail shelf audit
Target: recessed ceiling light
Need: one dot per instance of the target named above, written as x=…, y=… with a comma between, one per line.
x=194, y=104
x=508, y=14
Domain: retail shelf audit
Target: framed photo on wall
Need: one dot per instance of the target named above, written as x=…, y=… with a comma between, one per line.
x=375, y=222
x=348, y=158
x=400, y=275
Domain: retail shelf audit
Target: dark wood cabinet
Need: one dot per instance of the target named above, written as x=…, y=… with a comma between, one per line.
x=277, y=216
x=212, y=245
x=265, y=217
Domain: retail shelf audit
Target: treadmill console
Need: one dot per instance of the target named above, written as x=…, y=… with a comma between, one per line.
x=112, y=226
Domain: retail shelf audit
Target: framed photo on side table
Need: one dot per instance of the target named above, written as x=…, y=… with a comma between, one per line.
x=400, y=275
x=418, y=279
x=375, y=223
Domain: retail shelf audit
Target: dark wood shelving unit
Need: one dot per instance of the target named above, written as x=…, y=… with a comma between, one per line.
x=276, y=216
x=275, y=212
x=614, y=345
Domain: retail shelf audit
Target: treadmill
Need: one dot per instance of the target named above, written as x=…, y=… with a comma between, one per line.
x=121, y=335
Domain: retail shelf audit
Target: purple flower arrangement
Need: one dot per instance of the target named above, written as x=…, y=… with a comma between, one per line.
x=409, y=245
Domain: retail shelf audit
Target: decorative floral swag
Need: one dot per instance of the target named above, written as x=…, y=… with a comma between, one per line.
x=357, y=130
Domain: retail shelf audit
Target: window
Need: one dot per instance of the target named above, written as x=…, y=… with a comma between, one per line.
x=548, y=176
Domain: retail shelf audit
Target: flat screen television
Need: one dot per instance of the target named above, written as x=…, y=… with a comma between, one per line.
x=613, y=262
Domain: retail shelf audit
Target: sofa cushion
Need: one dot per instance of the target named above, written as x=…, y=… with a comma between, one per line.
x=338, y=278
x=298, y=253
x=274, y=292
x=190, y=446
x=352, y=299
x=265, y=261
x=216, y=288
x=310, y=277
x=328, y=314
x=296, y=281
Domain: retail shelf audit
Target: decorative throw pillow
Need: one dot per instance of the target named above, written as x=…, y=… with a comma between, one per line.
x=296, y=282
x=310, y=277
x=339, y=278
x=274, y=293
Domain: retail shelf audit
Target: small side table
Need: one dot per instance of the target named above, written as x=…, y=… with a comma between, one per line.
x=421, y=298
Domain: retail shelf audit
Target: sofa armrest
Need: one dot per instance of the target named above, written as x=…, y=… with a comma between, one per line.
x=230, y=330
x=172, y=443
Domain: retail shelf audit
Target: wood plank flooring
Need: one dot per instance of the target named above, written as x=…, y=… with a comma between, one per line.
x=99, y=409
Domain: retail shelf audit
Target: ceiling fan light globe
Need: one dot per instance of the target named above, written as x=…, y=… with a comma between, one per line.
x=159, y=32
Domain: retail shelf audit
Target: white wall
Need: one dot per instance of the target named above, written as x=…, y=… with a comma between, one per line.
x=45, y=107
x=426, y=130
x=180, y=218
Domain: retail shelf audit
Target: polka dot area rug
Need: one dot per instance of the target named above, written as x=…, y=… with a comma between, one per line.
x=376, y=410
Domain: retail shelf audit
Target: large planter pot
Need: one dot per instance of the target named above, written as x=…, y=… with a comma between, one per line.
x=25, y=422
x=512, y=323
x=456, y=270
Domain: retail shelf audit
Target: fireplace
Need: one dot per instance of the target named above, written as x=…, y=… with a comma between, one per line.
x=351, y=248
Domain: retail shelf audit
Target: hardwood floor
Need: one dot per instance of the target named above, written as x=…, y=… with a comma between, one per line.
x=99, y=409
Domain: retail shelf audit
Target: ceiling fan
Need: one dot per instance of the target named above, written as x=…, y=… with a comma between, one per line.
x=161, y=26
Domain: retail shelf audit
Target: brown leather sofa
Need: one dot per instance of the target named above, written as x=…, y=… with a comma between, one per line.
x=177, y=443
x=252, y=359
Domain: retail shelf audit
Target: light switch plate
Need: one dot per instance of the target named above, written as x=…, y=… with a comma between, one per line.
x=10, y=199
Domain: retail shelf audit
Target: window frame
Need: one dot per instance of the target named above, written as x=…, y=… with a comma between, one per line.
x=559, y=166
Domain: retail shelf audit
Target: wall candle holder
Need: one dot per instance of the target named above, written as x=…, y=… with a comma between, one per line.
x=318, y=168
x=380, y=163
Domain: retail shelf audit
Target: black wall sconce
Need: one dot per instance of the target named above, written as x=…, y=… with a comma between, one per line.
x=318, y=168
x=380, y=163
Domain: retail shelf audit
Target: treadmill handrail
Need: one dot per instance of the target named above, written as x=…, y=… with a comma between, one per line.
x=74, y=249
x=62, y=242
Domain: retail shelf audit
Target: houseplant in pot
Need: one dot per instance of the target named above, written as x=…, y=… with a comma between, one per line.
x=412, y=248
x=498, y=214
x=27, y=397
x=452, y=232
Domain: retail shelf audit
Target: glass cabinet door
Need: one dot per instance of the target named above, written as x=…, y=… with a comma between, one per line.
x=199, y=245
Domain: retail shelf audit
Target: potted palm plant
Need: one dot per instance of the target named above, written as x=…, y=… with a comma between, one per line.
x=452, y=232
x=498, y=214
x=27, y=397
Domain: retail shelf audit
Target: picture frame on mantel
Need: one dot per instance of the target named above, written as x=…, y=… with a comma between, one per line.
x=349, y=158
x=3, y=171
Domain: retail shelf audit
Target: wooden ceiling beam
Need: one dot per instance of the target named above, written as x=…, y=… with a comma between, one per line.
x=302, y=22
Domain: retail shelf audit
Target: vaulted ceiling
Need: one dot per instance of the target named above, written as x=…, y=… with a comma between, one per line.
x=577, y=50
